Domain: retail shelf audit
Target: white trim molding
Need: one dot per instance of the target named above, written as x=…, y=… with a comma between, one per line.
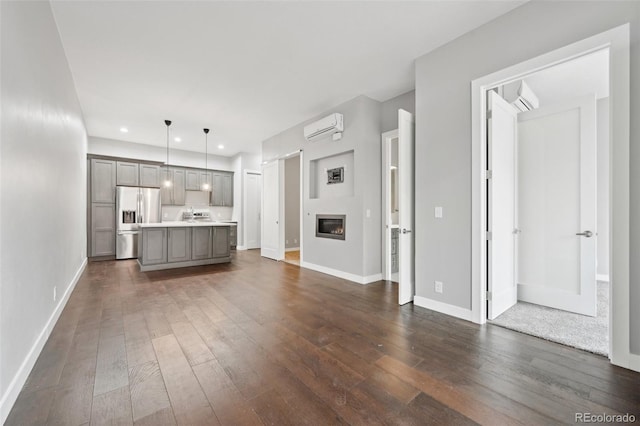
x=292, y=249
x=602, y=277
x=443, y=308
x=17, y=382
x=360, y=279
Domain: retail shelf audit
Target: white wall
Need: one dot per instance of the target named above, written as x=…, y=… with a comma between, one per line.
x=138, y=151
x=292, y=202
x=360, y=254
x=443, y=132
x=42, y=188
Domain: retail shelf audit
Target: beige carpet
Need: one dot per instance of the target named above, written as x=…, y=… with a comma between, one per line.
x=579, y=331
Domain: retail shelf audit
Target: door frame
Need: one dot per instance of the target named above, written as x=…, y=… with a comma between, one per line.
x=299, y=153
x=244, y=207
x=617, y=40
x=386, y=138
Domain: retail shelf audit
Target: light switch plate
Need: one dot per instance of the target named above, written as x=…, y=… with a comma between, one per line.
x=438, y=286
x=438, y=212
x=368, y=212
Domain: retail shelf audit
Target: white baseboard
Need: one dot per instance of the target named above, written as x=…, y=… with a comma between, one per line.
x=238, y=248
x=292, y=249
x=602, y=277
x=341, y=274
x=634, y=362
x=443, y=308
x=20, y=378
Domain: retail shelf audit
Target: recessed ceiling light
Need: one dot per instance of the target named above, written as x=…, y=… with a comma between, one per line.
x=220, y=146
x=178, y=139
x=124, y=130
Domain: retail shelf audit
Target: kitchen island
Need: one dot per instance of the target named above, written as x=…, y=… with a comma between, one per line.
x=168, y=245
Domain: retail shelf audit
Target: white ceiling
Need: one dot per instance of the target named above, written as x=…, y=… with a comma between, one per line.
x=588, y=74
x=247, y=70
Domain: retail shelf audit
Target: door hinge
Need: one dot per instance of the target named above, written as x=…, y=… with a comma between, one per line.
x=488, y=235
x=488, y=174
x=489, y=296
x=489, y=114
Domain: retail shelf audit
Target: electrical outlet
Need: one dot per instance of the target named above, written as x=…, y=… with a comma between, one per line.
x=286, y=241
x=438, y=286
x=438, y=212
x=295, y=241
x=55, y=293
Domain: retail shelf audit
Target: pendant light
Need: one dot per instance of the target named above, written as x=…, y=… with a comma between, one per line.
x=167, y=180
x=205, y=185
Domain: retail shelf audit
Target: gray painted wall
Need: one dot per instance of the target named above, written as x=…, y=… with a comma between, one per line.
x=443, y=132
x=292, y=202
x=360, y=253
x=42, y=182
x=602, y=124
x=406, y=101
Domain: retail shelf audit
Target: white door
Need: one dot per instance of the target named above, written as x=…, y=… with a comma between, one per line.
x=406, y=281
x=252, y=208
x=273, y=210
x=502, y=127
x=557, y=204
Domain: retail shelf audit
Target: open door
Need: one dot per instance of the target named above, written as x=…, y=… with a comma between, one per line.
x=557, y=206
x=272, y=241
x=406, y=280
x=502, y=128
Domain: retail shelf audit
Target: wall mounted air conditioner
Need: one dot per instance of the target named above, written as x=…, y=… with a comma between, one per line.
x=330, y=125
x=520, y=95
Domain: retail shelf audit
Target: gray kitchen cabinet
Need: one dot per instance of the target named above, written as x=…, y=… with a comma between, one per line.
x=174, y=195
x=205, y=178
x=150, y=175
x=103, y=229
x=179, y=244
x=201, y=243
x=221, y=241
x=222, y=192
x=103, y=181
x=192, y=180
x=126, y=173
x=233, y=236
x=153, y=247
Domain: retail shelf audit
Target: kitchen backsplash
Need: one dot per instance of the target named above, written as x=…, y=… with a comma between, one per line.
x=199, y=200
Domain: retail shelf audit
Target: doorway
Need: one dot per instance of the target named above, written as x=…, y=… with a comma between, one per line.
x=292, y=209
x=252, y=208
x=398, y=218
x=545, y=185
x=617, y=40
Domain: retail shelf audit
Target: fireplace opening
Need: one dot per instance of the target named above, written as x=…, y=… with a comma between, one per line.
x=331, y=226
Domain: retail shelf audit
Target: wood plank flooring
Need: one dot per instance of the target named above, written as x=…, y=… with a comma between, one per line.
x=259, y=342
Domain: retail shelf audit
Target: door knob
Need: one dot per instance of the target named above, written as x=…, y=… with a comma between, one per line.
x=587, y=234
x=406, y=231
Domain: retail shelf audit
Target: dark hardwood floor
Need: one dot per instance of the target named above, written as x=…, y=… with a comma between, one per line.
x=264, y=342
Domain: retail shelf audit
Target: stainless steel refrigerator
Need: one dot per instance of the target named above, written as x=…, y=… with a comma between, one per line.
x=134, y=206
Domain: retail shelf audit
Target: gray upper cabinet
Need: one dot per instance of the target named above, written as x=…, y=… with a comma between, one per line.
x=174, y=195
x=179, y=244
x=221, y=241
x=149, y=175
x=154, y=246
x=222, y=192
x=205, y=178
x=103, y=229
x=103, y=181
x=127, y=173
x=201, y=243
x=192, y=180
x=227, y=190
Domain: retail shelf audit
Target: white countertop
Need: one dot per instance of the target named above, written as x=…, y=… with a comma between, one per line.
x=181, y=224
